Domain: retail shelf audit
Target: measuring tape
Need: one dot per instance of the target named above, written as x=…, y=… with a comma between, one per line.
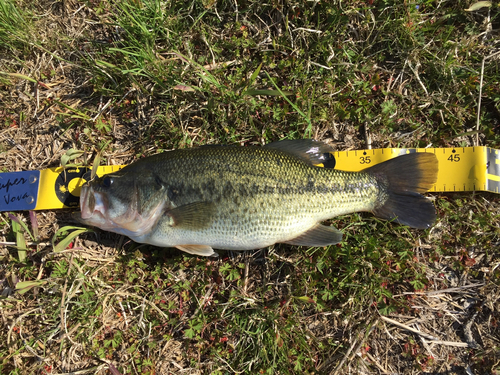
x=460, y=169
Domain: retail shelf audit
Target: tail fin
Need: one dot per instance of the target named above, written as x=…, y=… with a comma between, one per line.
x=403, y=179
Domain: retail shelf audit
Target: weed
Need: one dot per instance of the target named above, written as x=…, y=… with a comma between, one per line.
x=121, y=80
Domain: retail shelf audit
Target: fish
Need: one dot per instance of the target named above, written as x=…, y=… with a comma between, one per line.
x=251, y=197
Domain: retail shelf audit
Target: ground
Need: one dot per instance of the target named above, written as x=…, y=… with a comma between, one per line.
x=123, y=80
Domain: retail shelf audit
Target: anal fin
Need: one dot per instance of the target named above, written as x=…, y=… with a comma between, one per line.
x=202, y=250
x=318, y=235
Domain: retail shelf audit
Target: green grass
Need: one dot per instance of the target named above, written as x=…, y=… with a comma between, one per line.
x=132, y=78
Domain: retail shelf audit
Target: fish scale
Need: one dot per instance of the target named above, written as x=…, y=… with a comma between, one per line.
x=260, y=194
x=242, y=198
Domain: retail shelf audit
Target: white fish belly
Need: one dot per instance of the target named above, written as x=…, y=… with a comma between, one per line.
x=243, y=228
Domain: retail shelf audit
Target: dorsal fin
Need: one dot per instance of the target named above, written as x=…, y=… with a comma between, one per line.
x=314, y=152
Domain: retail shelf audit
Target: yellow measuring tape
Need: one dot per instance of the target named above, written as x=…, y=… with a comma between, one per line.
x=460, y=169
x=59, y=186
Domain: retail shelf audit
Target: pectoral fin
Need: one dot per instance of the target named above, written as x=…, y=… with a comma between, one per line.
x=202, y=250
x=319, y=235
x=192, y=216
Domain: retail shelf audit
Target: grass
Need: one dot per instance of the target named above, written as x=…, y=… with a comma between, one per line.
x=120, y=80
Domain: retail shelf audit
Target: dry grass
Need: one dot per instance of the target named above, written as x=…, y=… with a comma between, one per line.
x=140, y=76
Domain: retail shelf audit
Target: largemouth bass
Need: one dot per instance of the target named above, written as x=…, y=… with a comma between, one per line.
x=243, y=198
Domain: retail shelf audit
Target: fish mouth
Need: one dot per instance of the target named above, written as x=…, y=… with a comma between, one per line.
x=92, y=204
x=85, y=206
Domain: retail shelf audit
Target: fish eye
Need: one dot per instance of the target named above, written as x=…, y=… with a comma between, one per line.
x=328, y=160
x=107, y=181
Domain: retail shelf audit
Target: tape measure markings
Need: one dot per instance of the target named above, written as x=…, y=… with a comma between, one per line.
x=460, y=168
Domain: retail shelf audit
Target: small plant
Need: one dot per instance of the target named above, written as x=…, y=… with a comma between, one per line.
x=123, y=80
x=67, y=237
x=19, y=228
x=69, y=156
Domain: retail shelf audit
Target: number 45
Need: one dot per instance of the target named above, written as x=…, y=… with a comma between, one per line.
x=454, y=158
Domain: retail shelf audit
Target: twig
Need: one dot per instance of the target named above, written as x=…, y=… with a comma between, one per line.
x=63, y=323
x=427, y=336
x=441, y=291
x=404, y=326
x=70, y=332
x=321, y=66
x=427, y=347
x=124, y=313
x=481, y=93
x=356, y=346
x=308, y=30
x=236, y=9
x=415, y=71
x=245, y=275
x=9, y=243
x=203, y=301
x=375, y=362
x=479, y=100
x=209, y=48
x=368, y=139
x=341, y=364
x=101, y=111
x=450, y=343
x=37, y=101
x=451, y=290
x=91, y=370
x=124, y=96
x=11, y=328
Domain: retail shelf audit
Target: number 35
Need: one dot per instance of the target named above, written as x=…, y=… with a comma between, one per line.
x=365, y=160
